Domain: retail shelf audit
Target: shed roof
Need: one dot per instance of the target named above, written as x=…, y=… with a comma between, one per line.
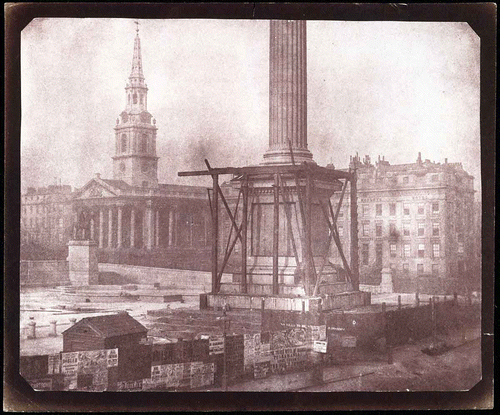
x=112, y=325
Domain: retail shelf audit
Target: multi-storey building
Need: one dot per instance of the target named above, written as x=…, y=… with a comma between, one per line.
x=46, y=216
x=417, y=220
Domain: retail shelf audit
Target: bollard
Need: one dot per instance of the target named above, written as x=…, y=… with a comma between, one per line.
x=433, y=318
x=455, y=298
x=53, y=326
x=303, y=306
x=262, y=304
x=387, y=343
x=399, y=302
x=417, y=300
x=31, y=330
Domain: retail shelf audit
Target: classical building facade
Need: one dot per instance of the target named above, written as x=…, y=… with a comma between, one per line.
x=131, y=217
x=46, y=216
x=416, y=219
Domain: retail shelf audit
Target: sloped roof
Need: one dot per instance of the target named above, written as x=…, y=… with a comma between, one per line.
x=118, y=184
x=112, y=325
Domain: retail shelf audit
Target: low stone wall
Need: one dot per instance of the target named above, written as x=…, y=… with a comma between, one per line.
x=199, y=281
x=344, y=301
x=44, y=273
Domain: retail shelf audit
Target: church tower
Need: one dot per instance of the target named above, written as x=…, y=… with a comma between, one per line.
x=135, y=161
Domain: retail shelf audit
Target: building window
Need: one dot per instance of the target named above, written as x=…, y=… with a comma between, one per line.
x=392, y=229
x=144, y=143
x=392, y=248
x=124, y=143
x=435, y=207
x=341, y=230
x=366, y=210
x=378, y=229
x=134, y=98
x=420, y=269
x=406, y=209
x=434, y=177
x=435, y=250
x=378, y=254
x=341, y=214
x=405, y=267
x=460, y=239
x=392, y=209
x=378, y=209
x=406, y=229
x=421, y=250
x=406, y=250
x=366, y=228
x=435, y=229
x=405, y=179
x=421, y=210
x=421, y=229
x=365, y=254
x=435, y=270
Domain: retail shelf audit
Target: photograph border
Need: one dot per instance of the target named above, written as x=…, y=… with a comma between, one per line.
x=18, y=395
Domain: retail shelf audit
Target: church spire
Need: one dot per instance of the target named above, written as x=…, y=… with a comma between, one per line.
x=135, y=160
x=137, y=59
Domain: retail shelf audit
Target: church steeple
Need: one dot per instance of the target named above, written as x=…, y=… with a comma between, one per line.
x=135, y=160
x=137, y=59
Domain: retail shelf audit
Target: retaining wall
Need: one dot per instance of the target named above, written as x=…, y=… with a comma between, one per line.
x=44, y=273
x=198, y=281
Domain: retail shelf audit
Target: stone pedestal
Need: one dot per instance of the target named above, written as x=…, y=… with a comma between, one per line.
x=386, y=282
x=82, y=262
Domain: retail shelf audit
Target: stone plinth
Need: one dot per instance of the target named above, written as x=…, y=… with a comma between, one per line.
x=82, y=263
x=386, y=282
x=340, y=301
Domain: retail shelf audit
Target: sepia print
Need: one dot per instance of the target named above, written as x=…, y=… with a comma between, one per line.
x=250, y=205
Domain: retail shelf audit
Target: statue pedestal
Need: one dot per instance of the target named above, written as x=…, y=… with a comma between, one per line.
x=386, y=282
x=82, y=261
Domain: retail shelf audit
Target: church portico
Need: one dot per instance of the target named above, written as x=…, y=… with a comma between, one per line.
x=132, y=218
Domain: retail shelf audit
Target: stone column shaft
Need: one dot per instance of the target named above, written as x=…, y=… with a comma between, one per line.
x=157, y=228
x=287, y=93
x=101, y=228
x=119, y=232
x=132, y=227
x=110, y=227
x=149, y=227
x=170, y=227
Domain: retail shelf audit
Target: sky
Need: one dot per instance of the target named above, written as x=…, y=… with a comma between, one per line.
x=374, y=88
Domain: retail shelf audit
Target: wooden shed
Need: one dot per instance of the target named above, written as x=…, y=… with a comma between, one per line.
x=103, y=332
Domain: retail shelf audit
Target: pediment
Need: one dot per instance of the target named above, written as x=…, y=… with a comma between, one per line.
x=94, y=190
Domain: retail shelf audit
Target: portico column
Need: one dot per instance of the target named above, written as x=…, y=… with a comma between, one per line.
x=170, y=227
x=149, y=225
x=101, y=228
x=119, y=233
x=157, y=228
x=92, y=227
x=132, y=227
x=110, y=227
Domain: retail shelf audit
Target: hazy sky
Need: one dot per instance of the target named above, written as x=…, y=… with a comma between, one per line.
x=377, y=88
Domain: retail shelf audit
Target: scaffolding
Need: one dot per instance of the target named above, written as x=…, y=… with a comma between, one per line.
x=304, y=177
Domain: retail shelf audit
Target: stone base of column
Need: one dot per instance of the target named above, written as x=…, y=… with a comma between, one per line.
x=82, y=262
x=284, y=157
